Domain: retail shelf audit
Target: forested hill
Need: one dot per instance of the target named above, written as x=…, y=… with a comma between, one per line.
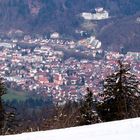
x=63, y=16
x=121, y=33
x=58, y=15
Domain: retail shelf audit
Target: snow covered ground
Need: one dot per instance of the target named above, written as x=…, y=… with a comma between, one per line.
x=119, y=130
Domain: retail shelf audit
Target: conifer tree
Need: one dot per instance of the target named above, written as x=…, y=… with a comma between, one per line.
x=8, y=123
x=88, y=114
x=121, y=93
x=2, y=92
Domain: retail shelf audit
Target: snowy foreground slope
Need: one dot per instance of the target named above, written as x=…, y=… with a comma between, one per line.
x=119, y=130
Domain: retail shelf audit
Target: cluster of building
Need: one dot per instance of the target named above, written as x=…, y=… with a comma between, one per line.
x=99, y=14
x=92, y=44
x=44, y=71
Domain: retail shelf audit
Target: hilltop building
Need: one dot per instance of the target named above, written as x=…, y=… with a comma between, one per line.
x=99, y=14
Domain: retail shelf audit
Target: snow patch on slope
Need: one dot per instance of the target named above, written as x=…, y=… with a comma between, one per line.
x=118, y=130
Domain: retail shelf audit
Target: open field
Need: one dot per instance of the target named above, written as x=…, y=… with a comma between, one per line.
x=17, y=95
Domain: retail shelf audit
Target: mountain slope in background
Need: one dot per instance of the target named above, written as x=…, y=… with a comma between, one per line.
x=49, y=15
x=63, y=16
x=119, y=130
x=121, y=33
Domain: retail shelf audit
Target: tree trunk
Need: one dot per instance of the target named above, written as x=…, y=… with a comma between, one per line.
x=1, y=116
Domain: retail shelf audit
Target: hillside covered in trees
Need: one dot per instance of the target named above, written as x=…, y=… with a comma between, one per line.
x=63, y=16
